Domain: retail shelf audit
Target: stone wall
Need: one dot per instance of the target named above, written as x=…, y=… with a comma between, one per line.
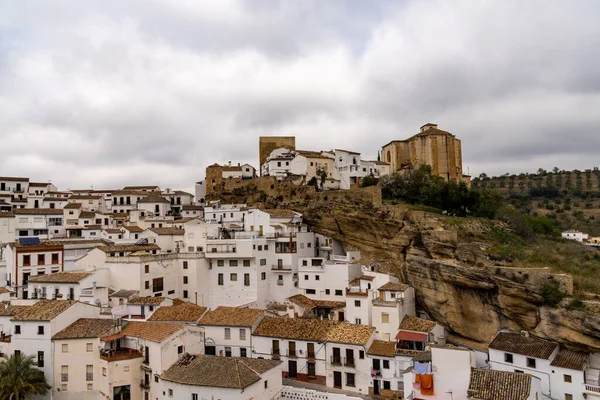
x=369, y=194
x=266, y=144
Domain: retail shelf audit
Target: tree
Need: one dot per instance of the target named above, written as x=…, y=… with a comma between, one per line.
x=322, y=174
x=20, y=379
x=369, y=180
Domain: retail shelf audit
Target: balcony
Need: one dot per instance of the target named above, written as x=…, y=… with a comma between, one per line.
x=145, y=384
x=375, y=372
x=349, y=362
x=119, y=355
x=355, y=291
x=386, y=303
x=281, y=268
x=310, y=355
x=335, y=360
x=591, y=389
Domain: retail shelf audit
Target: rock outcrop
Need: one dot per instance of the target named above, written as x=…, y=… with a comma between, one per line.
x=456, y=283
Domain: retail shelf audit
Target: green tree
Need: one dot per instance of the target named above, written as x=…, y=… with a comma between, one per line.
x=20, y=379
x=369, y=180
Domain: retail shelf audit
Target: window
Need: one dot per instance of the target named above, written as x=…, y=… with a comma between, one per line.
x=17, y=352
x=90, y=386
x=185, y=280
x=26, y=260
x=227, y=351
x=263, y=261
x=243, y=352
x=508, y=358
x=317, y=277
x=311, y=291
x=357, y=321
x=125, y=368
x=147, y=285
x=65, y=348
x=64, y=373
x=531, y=362
x=385, y=318
x=567, y=378
x=361, y=354
x=386, y=385
x=233, y=277
x=40, y=360
x=305, y=277
x=157, y=285
x=17, y=329
x=63, y=387
x=41, y=259
x=266, y=247
x=185, y=294
x=263, y=276
x=228, y=333
x=327, y=291
x=246, y=279
x=220, y=263
x=194, y=396
x=220, y=279
x=356, y=303
x=146, y=269
x=89, y=373
x=338, y=292
x=233, y=263
x=179, y=349
x=349, y=379
x=155, y=376
x=266, y=384
x=104, y=371
x=170, y=392
x=567, y=396
x=246, y=263
x=185, y=265
x=89, y=347
x=386, y=364
x=259, y=247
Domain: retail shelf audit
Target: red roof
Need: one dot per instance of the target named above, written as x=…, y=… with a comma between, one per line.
x=411, y=336
x=113, y=337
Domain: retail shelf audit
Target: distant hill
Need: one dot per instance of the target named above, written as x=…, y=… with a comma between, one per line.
x=571, y=198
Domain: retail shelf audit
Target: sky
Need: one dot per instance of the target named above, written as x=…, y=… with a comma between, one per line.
x=111, y=93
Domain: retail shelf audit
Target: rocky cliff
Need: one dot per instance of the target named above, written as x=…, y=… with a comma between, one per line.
x=455, y=280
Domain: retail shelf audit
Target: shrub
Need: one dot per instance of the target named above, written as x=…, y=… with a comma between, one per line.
x=552, y=294
x=576, y=304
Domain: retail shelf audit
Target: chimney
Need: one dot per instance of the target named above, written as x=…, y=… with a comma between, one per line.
x=525, y=333
x=238, y=164
x=229, y=163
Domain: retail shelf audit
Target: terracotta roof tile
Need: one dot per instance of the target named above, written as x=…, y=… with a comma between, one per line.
x=168, y=231
x=112, y=230
x=87, y=214
x=153, y=331
x=147, y=187
x=382, y=348
x=7, y=214
x=60, y=277
x=4, y=290
x=309, y=304
x=393, y=287
x=133, y=228
x=213, y=371
x=38, y=211
x=84, y=197
x=13, y=179
x=129, y=247
x=515, y=342
x=43, y=310
x=9, y=310
x=153, y=198
x=232, y=316
x=146, y=300
x=193, y=208
x=124, y=293
x=184, y=312
x=570, y=360
x=86, y=328
x=73, y=206
x=410, y=323
x=488, y=384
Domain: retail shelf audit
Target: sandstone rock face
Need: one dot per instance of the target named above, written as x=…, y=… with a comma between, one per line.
x=455, y=282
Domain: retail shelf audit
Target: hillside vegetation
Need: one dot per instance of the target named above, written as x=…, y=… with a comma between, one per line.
x=570, y=198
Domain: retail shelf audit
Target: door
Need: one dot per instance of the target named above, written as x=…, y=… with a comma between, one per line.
x=310, y=350
x=341, y=316
x=337, y=359
x=275, y=349
x=377, y=364
x=210, y=350
x=375, y=387
x=337, y=379
x=292, y=369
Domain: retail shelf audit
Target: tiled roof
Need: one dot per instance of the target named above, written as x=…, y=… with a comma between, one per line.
x=72, y=206
x=192, y=208
x=38, y=184
x=314, y=330
x=13, y=179
x=146, y=300
x=153, y=331
x=382, y=348
x=168, y=231
x=347, y=151
x=43, y=310
x=9, y=310
x=515, y=342
x=133, y=228
x=60, y=277
x=461, y=341
x=4, y=290
x=153, y=198
x=366, y=277
x=213, y=371
x=93, y=227
x=486, y=384
x=280, y=213
x=86, y=328
x=309, y=304
x=410, y=323
x=184, y=312
x=124, y=293
x=84, y=197
x=87, y=214
x=148, y=187
x=570, y=360
x=47, y=198
x=129, y=247
x=393, y=287
x=37, y=211
x=232, y=316
x=112, y=230
x=7, y=214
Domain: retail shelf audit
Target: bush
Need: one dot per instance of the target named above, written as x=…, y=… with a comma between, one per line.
x=369, y=180
x=552, y=294
x=576, y=304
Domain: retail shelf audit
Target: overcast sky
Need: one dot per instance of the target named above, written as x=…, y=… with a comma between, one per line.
x=114, y=92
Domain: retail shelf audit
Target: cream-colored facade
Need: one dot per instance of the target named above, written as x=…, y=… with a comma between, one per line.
x=431, y=146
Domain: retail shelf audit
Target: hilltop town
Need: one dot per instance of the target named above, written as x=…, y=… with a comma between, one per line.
x=309, y=286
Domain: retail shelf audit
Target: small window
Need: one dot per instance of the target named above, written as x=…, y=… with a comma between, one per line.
x=327, y=291
x=317, y=277
x=338, y=292
x=531, y=362
x=567, y=378
x=125, y=368
x=227, y=351
x=385, y=318
x=266, y=384
x=147, y=285
x=65, y=348
x=227, y=333
x=243, y=352
x=90, y=386
x=220, y=279
x=170, y=392
x=567, y=396
x=194, y=396
x=179, y=349
x=104, y=371
x=311, y=291
x=89, y=347
x=220, y=263
x=185, y=265
x=185, y=280
x=263, y=276
x=386, y=364
x=185, y=294
x=305, y=277
x=350, y=379
x=357, y=321
x=242, y=334
x=233, y=263
x=233, y=277
x=508, y=358
x=146, y=269
x=246, y=263
x=263, y=261
x=17, y=329
x=361, y=354
x=356, y=303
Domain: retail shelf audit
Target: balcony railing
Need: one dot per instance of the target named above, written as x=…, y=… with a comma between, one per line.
x=275, y=352
x=356, y=291
x=119, y=355
x=593, y=389
x=291, y=353
x=282, y=268
x=144, y=384
x=310, y=354
x=349, y=362
x=335, y=360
